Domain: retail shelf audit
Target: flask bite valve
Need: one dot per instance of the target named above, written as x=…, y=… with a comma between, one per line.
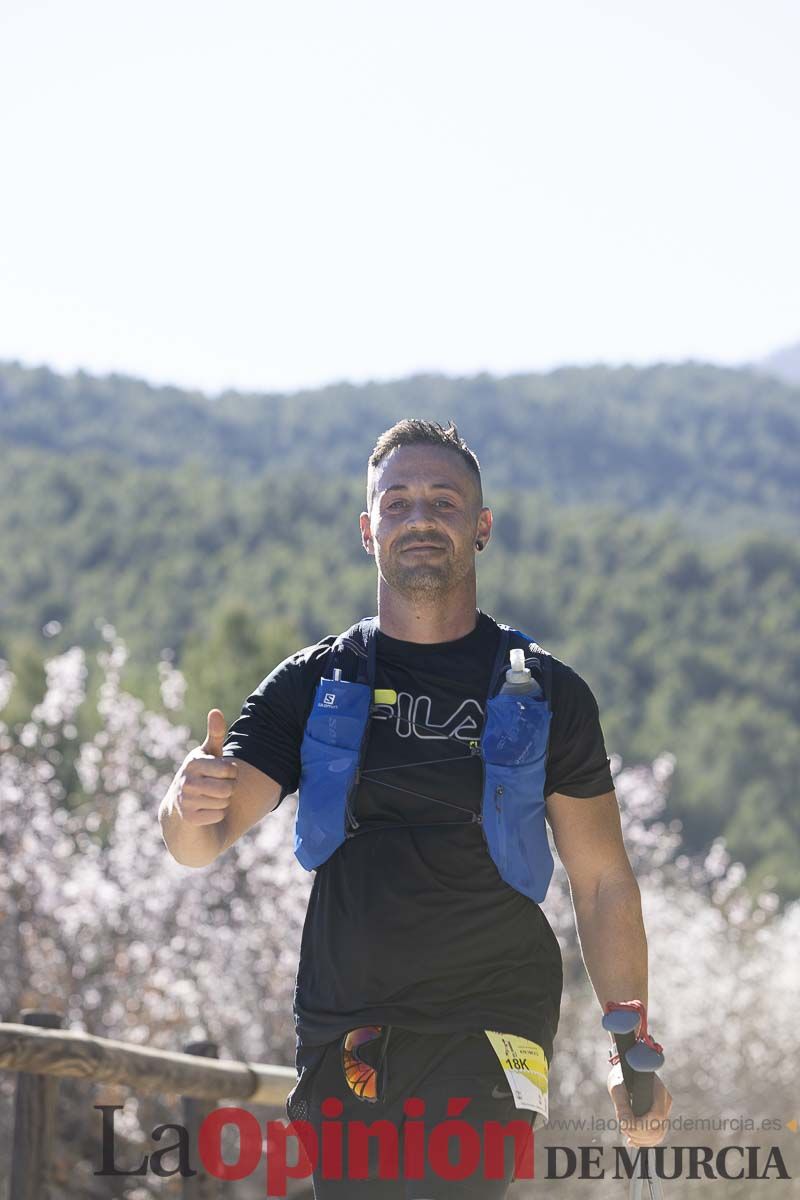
x=518, y=672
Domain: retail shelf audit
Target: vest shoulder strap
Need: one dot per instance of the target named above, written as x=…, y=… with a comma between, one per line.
x=353, y=652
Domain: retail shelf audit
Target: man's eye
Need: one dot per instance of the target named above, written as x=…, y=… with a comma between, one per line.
x=403, y=503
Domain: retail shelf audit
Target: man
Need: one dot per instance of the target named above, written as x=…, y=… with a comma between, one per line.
x=415, y=942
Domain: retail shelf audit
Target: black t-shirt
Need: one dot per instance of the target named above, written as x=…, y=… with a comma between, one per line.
x=409, y=922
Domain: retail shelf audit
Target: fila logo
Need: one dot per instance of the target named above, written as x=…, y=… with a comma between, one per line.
x=329, y=699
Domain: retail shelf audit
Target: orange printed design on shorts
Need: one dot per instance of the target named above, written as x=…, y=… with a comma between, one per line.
x=362, y=1078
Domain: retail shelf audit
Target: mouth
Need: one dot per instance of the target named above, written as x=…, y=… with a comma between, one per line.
x=422, y=546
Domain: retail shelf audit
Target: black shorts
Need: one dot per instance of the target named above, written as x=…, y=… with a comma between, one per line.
x=433, y=1069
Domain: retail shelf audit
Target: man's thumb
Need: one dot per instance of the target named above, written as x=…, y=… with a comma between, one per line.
x=216, y=733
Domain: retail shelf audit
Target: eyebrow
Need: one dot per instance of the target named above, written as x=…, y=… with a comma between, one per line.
x=403, y=487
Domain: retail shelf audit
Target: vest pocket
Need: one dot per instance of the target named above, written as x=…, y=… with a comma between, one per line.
x=329, y=757
x=339, y=714
x=517, y=729
x=514, y=747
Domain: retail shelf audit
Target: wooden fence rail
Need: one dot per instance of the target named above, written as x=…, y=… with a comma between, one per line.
x=42, y=1052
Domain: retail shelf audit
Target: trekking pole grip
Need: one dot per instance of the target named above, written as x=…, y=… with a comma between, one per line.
x=639, y=1054
x=638, y=1083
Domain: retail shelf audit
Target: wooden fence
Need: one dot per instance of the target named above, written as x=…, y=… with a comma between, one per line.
x=42, y=1052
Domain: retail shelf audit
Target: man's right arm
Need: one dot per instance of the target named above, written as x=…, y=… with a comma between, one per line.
x=228, y=784
x=213, y=800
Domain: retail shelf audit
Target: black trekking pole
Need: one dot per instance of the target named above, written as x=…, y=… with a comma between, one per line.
x=639, y=1058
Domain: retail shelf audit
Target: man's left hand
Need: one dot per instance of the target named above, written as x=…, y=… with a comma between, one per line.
x=651, y=1127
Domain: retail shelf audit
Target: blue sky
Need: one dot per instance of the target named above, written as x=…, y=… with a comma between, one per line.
x=271, y=195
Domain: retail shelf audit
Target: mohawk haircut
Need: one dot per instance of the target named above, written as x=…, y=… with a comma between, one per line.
x=412, y=431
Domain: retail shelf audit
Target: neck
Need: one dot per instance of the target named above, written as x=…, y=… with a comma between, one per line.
x=441, y=619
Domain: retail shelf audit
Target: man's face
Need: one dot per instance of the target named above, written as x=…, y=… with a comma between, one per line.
x=424, y=518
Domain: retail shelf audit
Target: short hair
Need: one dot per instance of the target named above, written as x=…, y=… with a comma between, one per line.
x=412, y=431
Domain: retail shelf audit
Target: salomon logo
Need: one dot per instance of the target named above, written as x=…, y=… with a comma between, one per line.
x=329, y=699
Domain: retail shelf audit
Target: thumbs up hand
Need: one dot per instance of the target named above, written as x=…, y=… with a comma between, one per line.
x=206, y=780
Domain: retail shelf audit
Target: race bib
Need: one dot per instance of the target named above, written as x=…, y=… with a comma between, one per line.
x=525, y=1068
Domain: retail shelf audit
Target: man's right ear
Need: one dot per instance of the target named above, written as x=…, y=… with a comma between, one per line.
x=366, y=534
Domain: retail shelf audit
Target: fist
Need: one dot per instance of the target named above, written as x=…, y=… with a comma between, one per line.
x=206, y=780
x=650, y=1128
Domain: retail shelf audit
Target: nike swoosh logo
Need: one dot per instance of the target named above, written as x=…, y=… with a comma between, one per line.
x=497, y=1094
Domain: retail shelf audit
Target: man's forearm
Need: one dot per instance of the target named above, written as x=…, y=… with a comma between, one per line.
x=613, y=940
x=190, y=845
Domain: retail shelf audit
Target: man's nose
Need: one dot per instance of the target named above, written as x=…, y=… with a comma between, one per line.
x=420, y=512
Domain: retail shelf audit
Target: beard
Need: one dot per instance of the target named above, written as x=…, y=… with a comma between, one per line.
x=433, y=575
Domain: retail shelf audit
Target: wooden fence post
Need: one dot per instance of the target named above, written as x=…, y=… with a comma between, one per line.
x=34, y=1110
x=201, y=1186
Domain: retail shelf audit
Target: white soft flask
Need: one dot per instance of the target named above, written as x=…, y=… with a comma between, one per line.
x=519, y=681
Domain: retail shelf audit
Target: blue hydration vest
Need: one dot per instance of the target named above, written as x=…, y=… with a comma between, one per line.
x=512, y=748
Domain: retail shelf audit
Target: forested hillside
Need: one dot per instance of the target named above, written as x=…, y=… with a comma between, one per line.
x=645, y=533
x=716, y=445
